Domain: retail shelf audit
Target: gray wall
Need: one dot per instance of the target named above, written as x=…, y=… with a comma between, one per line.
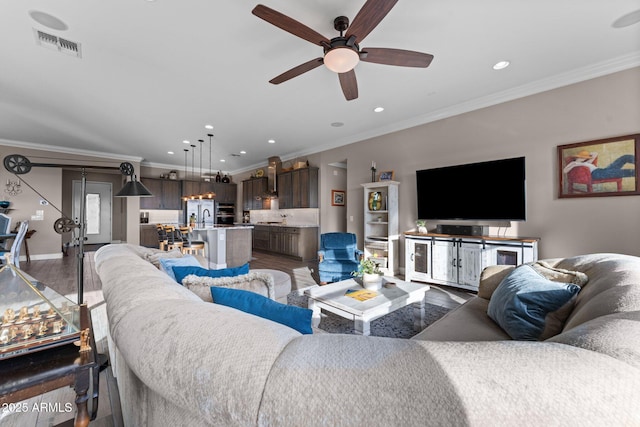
x=532, y=127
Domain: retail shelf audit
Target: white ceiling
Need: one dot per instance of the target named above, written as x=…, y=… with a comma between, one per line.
x=153, y=73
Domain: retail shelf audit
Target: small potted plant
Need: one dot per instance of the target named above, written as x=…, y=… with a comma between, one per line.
x=370, y=273
x=422, y=226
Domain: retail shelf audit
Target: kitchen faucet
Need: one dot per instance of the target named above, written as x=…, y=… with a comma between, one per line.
x=208, y=213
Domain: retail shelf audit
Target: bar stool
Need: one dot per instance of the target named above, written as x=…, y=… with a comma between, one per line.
x=162, y=237
x=190, y=246
x=174, y=240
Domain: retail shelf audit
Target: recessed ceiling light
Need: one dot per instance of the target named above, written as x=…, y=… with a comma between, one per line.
x=208, y=126
x=626, y=20
x=48, y=20
x=243, y=152
x=272, y=141
x=378, y=109
x=337, y=124
x=222, y=160
x=501, y=65
x=185, y=142
x=170, y=152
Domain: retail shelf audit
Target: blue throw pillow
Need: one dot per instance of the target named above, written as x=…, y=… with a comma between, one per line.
x=182, y=272
x=167, y=264
x=294, y=317
x=523, y=300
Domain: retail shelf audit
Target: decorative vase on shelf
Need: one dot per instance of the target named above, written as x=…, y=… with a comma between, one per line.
x=218, y=177
x=226, y=179
x=375, y=201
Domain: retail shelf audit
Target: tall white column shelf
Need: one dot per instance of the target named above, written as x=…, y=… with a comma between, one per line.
x=381, y=233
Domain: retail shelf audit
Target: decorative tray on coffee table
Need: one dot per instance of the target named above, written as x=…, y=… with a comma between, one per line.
x=33, y=316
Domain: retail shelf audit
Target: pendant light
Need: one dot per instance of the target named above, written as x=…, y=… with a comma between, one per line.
x=210, y=194
x=193, y=152
x=185, y=198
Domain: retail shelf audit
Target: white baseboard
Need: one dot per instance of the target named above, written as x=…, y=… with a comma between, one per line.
x=42, y=257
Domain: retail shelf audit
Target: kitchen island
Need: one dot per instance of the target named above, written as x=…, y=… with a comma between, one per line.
x=225, y=246
x=296, y=241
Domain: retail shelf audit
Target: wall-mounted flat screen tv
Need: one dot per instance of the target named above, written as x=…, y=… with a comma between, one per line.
x=493, y=190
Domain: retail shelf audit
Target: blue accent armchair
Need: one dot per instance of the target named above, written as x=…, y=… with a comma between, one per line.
x=338, y=256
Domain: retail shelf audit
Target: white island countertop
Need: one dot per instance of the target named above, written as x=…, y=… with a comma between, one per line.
x=280, y=224
x=227, y=227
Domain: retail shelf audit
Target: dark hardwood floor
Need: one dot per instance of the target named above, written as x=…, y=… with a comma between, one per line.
x=61, y=274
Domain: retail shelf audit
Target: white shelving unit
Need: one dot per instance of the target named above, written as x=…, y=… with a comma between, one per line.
x=381, y=233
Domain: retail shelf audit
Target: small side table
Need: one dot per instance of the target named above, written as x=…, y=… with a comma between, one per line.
x=33, y=374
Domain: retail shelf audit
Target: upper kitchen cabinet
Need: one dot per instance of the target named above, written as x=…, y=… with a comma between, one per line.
x=298, y=188
x=253, y=192
x=225, y=192
x=167, y=194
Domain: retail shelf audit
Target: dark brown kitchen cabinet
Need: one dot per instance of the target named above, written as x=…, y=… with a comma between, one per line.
x=296, y=242
x=285, y=195
x=298, y=188
x=253, y=194
x=166, y=194
x=261, y=237
x=225, y=192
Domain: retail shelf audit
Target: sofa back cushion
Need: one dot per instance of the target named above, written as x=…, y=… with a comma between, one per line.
x=614, y=286
x=606, y=315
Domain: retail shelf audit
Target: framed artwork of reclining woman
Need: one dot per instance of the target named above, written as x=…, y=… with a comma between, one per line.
x=605, y=167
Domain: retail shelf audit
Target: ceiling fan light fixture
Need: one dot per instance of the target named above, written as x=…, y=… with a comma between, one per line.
x=341, y=59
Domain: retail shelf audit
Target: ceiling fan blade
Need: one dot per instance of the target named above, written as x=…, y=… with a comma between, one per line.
x=349, y=84
x=289, y=24
x=296, y=71
x=400, y=57
x=369, y=17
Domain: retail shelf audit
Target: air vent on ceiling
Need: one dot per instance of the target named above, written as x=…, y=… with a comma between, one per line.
x=57, y=43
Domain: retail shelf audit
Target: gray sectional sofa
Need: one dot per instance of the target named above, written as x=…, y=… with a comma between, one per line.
x=181, y=361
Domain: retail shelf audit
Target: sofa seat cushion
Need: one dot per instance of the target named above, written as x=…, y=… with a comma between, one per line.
x=469, y=322
x=297, y=318
x=526, y=303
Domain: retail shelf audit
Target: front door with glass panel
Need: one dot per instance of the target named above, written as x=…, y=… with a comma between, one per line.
x=98, y=210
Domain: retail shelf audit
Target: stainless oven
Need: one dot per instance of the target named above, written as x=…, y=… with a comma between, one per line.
x=225, y=213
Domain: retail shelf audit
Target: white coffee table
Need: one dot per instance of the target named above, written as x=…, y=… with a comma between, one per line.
x=390, y=298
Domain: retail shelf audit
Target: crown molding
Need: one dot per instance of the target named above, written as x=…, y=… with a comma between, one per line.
x=65, y=150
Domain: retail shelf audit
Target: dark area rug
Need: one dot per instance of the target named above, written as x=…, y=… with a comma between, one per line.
x=398, y=324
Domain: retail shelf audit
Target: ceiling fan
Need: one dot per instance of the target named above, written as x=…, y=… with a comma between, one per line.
x=342, y=54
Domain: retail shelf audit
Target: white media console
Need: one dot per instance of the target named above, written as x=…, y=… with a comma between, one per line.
x=458, y=260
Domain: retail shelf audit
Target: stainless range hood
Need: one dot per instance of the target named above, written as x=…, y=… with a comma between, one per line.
x=274, y=167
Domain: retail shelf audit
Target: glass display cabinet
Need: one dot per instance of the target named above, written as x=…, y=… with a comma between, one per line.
x=33, y=316
x=46, y=342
